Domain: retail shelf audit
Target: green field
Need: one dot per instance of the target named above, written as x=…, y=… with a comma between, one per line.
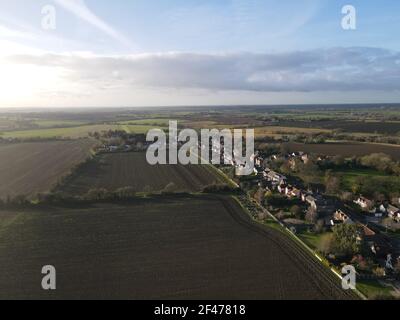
x=74, y=132
x=374, y=290
x=311, y=239
x=350, y=175
x=146, y=122
x=135, y=129
x=44, y=124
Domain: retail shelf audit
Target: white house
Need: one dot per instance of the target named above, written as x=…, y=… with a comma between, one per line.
x=342, y=217
x=365, y=204
x=274, y=177
x=393, y=212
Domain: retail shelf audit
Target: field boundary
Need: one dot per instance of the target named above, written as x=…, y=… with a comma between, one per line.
x=289, y=235
x=286, y=231
x=318, y=274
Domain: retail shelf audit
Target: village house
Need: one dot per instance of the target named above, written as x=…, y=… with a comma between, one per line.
x=377, y=243
x=365, y=204
x=274, y=157
x=292, y=164
x=382, y=208
x=274, y=177
x=288, y=190
x=259, y=161
x=282, y=188
x=379, y=210
x=341, y=217
x=113, y=148
x=294, y=193
x=297, y=155
x=305, y=194
x=323, y=207
x=393, y=212
x=305, y=158
x=228, y=160
x=311, y=201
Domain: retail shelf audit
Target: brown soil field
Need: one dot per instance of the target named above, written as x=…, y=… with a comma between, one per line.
x=29, y=168
x=280, y=131
x=379, y=127
x=160, y=248
x=118, y=170
x=346, y=149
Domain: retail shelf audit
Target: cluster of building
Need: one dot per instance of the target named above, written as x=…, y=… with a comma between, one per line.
x=231, y=158
x=277, y=181
x=379, y=210
x=329, y=210
x=325, y=208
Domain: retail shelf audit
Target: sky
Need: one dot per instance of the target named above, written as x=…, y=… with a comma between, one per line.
x=125, y=53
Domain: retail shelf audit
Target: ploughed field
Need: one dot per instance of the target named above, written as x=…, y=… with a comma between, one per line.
x=159, y=248
x=346, y=149
x=118, y=170
x=30, y=168
x=380, y=127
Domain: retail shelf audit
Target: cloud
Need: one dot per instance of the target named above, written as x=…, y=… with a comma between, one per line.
x=80, y=9
x=6, y=32
x=334, y=69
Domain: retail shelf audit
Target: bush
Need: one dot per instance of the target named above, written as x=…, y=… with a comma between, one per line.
x=19, y=200
x=379, y=161
x=170, y=188
x=397, y=267
x=347, y=240
x=125, y=193
x=325, y=245
x=218, y=188
x=54, y=197
x=97, y=194
x=319, y=226
x=297, y=212
x=362, y=263
x=277, y=200
x=311, y=215
x=147, y=189
x=259, y=196
x=347, y=196
x=379, y=272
